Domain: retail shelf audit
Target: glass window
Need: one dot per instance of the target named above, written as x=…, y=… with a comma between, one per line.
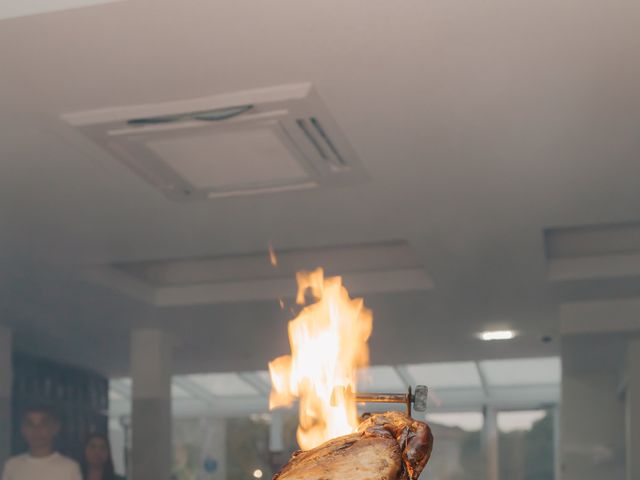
x=223, y=384
x=468, y=421
x=248, y=455
x=526, y=445
x=457, y=451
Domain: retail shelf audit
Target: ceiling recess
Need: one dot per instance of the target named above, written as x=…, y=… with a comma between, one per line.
x=365, y=269
x=258, y=141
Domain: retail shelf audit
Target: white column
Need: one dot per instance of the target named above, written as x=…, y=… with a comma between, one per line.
x=6, y=380
x=557, y=439
x=633, y=411
x=151, y=453
x=276, y=441
x=490, y=443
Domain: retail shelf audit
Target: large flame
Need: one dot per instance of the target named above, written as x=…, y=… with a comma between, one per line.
x=328, y=345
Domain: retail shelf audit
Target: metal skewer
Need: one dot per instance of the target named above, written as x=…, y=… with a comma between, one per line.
x=418, y=398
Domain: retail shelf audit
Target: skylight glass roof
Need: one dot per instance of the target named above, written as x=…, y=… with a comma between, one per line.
x=380, y=378
x=446, y=375
x=523, y=371
x=178, y=392
x=223, y=384
x=264, y=376
x=454, y=386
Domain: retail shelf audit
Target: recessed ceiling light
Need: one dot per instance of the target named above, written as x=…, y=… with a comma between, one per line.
x=497, y=335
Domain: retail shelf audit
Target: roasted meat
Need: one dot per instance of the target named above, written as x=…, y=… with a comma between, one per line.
x=387, y=446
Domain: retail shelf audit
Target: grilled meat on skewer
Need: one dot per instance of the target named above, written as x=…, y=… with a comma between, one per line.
x=387, y=446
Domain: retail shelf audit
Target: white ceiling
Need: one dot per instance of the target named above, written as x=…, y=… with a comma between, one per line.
x=480, y=125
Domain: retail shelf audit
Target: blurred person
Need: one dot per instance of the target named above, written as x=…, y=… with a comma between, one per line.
x=97, y=462
x=39, y=427
x=182, y=464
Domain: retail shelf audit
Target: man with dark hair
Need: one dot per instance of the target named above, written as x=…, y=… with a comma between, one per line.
x=39, y=427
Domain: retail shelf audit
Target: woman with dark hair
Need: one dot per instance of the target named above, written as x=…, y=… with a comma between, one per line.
x=97, y=463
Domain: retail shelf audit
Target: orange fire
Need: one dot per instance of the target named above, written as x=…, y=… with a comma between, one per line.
x=328, y=345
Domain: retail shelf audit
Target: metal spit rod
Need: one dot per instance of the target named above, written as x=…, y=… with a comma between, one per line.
x=417, y=399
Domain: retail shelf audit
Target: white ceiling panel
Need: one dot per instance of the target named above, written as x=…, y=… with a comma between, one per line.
x=230, y=158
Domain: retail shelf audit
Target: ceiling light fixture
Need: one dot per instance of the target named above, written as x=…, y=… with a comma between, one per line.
x=497, y=335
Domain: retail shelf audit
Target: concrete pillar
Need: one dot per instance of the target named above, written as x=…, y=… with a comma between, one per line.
x=557, y=439
x=490, y=437
x=633, y=411
x=151, y=455
x=6, y=381
x=276, y=428
x=277, y=454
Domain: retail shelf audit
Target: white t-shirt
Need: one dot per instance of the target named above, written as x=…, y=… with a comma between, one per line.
x=53, y=467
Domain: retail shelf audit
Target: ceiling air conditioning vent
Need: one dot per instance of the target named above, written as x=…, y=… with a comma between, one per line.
x=257, y=141
x=325, y=147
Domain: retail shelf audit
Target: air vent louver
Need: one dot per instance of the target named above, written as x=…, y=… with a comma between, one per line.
x=316, y=123
x=319, y=139
x=208, y=115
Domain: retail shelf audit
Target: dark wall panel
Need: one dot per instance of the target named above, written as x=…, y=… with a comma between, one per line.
x=80, y=397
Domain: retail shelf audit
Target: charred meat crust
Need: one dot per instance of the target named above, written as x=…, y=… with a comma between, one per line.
x=389, y=446
x=413, y=437
x=352, y=457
